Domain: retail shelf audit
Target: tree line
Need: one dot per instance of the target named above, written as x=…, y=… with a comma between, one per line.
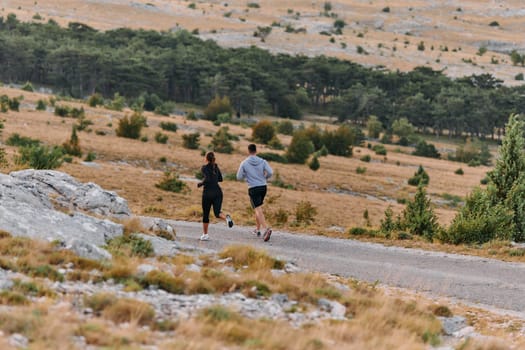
x=79, y=61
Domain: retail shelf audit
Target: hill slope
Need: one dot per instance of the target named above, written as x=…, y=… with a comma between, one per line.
x=395, y=34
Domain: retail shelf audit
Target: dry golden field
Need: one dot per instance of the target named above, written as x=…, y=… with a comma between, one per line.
x=336, y=190
x=389, y=31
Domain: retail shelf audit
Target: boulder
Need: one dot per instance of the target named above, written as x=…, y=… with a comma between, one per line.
x=32, y=204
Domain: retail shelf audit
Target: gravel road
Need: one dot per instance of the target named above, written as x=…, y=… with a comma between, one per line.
x=483, y=282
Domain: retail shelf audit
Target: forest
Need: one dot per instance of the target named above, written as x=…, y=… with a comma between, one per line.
x=79, y=61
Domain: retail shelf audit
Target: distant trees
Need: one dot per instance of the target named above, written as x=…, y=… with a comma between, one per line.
x=80, y=61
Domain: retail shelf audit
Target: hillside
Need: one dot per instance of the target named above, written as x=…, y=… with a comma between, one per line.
x=474, y=37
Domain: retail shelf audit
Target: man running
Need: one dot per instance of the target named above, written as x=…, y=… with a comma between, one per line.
x=256, y=171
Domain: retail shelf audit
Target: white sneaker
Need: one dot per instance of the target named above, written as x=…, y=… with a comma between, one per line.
x=229, y=221
x=204, y=237
x=256, y=232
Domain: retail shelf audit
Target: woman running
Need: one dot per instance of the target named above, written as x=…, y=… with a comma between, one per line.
x=212, y=194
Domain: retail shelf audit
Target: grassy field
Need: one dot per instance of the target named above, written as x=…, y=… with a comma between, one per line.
x=473, y=37
x=339, y=194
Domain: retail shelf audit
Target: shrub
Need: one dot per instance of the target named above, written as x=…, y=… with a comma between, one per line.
x=130, y=127
x=459, y=172
x=28, y=87
x=191, y=116
x=41, y=157
x=164, y=281
x=191, y=141
x=131, y=245
x=285, y=127
x=419, y=217
x=41, y=105
x=72, y=147
x=424, y=149
x=374, y=127
x=360, y=170
x=358, y=231
x=172, y=183
x=218, y=106
x=161, y=138
x=420, y=178
x=278, y=182
x=273, y=157
x=168, y=126
x=305, y=213
x=96, y=100
x=69, y=112
x=263, y=132
x=21, y=141
x=129, y=310
x=366, y=158
x=340, y=141
x=379, y=149
x=91, y=156
x=314, y=164
x=279, y=217
x=253, y=5
x=300, y=148
x=117, y=104
x=221, y=141
x=165, y=108
x=519, y=76
x=478, y=221
x=275, y=143
x=388, y=224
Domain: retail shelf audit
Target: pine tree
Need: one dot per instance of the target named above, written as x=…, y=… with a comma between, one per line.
x=511, y=163
x=72, y=147
x=419, y=217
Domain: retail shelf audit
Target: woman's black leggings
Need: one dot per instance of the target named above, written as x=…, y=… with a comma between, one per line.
x=209, y=199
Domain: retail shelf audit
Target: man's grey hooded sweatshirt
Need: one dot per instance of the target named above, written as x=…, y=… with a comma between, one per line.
x=256, y=170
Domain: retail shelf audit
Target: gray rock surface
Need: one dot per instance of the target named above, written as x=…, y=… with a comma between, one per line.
x=33, y=203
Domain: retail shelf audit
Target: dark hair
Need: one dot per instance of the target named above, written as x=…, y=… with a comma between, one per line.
x=252, y=148
x=210, y=157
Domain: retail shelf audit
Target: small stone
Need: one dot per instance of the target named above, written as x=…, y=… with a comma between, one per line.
x=18, y=341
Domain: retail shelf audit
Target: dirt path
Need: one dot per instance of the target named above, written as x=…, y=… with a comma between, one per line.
x=484, y=282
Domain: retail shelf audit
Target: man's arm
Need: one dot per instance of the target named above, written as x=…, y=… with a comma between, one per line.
x=268, y=172
x=241, y=172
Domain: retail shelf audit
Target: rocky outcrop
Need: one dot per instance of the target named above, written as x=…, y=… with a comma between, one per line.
x=53, y=206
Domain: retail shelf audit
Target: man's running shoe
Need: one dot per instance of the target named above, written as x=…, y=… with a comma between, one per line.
x=267, y=234
x=229, y=221
x=256, y=232
x=204, y=237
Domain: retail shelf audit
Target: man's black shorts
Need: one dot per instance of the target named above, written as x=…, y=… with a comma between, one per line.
x=257, y=195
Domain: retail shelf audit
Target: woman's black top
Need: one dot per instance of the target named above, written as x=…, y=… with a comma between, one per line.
x=212, y=177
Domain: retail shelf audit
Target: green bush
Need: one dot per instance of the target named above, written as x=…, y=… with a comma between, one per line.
x=132, y=244
x=366, y=158
x=285, y=127
x=40, y=157
x=420, y=178
x=191, y=141
x=218, y=106
x=273, y=157
x=91, y=156
x=28, y=87
x=314, y=164
x=21, y=141
x=459, y=172
x=161, y=138
x=300, y=148
x=424, y=149
x=305, y=213
x=275, y=143
x=95, y=100
x=360, y=170
x=171, y=183
x=419, y=217
x=379, y=149
x=168, y=126
x=263, y=132
x=358, y=231
x=479, y=221
x=72, y=146
x=41, y=105
x=221, y=141
x=130, y=127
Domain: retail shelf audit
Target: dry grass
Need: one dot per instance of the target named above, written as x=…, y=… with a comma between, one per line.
x=336, y=191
